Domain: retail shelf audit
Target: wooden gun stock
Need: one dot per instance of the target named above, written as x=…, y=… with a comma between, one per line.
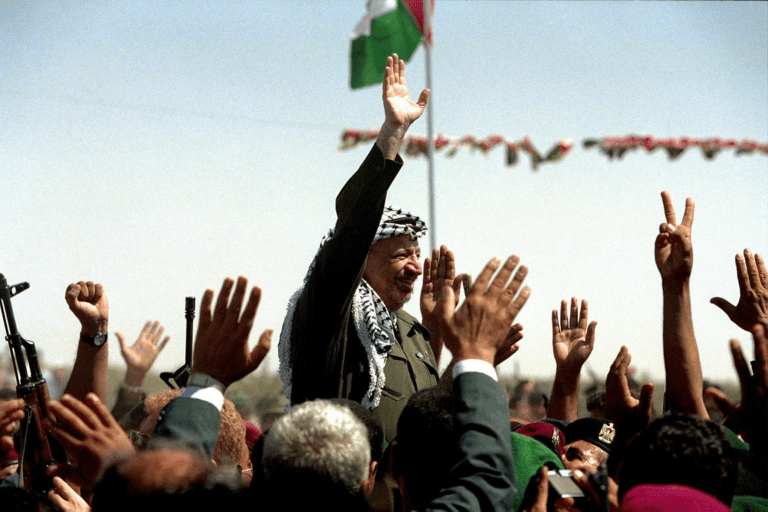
x=37, y=449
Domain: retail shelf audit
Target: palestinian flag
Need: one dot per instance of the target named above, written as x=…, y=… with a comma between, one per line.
x=389, y=26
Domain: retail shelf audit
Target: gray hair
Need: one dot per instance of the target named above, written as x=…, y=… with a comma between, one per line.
x=318, y=438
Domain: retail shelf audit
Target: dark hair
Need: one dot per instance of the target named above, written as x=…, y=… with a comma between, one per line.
x=371, y=422
x=681, y=450
x=424, y=449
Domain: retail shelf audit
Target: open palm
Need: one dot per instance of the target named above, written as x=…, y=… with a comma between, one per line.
x=572, y=339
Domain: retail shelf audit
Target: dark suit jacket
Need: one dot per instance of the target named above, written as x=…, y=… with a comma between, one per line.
x=327, y=356
x=483, y=479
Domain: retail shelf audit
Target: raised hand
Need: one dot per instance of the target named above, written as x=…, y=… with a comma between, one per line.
x=752, y=308
x=750, y=417
x=399, y=109
x=674, y=251
x=90, y=434
x=221, y=346
x=439, y=271
x=620, y=405
x=480, y=328
x=89, y=304
x=140, y=356
x=572, y=339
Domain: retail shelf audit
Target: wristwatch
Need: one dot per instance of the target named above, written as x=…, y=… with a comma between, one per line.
x=96, y=340
x=201, y=380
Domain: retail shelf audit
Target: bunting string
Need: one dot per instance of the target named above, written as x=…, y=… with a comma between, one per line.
x=612, y=147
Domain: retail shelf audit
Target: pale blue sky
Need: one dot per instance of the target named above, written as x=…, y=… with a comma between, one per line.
x=158, y=147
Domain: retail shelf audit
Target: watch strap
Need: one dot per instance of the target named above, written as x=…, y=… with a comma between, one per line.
x=202, y=380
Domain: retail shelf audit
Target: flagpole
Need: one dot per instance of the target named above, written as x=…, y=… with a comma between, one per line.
x=430, y=138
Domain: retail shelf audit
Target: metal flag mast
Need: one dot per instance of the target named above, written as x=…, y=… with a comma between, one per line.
x=430, y=138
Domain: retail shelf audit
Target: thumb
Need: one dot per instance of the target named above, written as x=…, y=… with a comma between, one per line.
x=423, y=98
x=446, y=305
x=457, y=287
x=646, y=399
x=728, y=308
x=121, y=339
x=73, y=290
x=261, y=349
x=721, y=401
x=591, y=333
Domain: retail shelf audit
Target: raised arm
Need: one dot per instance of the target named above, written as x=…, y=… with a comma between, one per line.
x=139, y=358
x=476, y=333
x=750, y=417
x=221, y=357
x=752, y=308
x=399, y=110
x=674, y=259
x=89, y=304
x=572, y=342
x=318, y=325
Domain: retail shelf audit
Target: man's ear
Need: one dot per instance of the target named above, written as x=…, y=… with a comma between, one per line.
x=366, y=487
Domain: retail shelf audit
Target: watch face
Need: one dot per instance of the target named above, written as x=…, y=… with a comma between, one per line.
x=96, y=340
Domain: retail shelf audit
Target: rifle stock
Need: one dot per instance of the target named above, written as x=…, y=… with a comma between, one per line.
x=37, y=450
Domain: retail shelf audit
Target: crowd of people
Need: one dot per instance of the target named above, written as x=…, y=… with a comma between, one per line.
x=371, y=423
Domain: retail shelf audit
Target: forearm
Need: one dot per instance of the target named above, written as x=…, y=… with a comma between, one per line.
x=390, y=139
x=684, y=381
x=564, y=402
x=89, y=373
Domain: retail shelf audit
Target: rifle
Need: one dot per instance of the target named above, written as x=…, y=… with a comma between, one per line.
x=181, y=375
x=37, y=450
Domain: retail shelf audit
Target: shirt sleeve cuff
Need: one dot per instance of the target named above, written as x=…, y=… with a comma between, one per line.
x=210, y=394
x=475, y=365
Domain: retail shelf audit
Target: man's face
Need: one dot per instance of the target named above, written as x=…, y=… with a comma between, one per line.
x=392, y=269
x=583, y=455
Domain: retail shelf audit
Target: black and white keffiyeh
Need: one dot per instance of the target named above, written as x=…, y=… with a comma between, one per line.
x=374, y=323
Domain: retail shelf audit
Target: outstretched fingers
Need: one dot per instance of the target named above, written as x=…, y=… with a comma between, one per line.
x=688, y=214
x=752, y=273
x=205, y=311
x=249, y=314
x=574, y=323
x=100, y=411
x=669, y=210
x=761, y=270
x=484, y=277
x=514, y=285
x=555, y=324
x=261, y=349
x=220, y=311
x=500, y=281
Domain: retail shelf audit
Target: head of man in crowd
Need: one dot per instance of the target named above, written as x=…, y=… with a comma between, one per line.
x=588, y=443
x=682, y=450
x=230, y=448
x=423, y=449
x=319, y=451
x=393, y=264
